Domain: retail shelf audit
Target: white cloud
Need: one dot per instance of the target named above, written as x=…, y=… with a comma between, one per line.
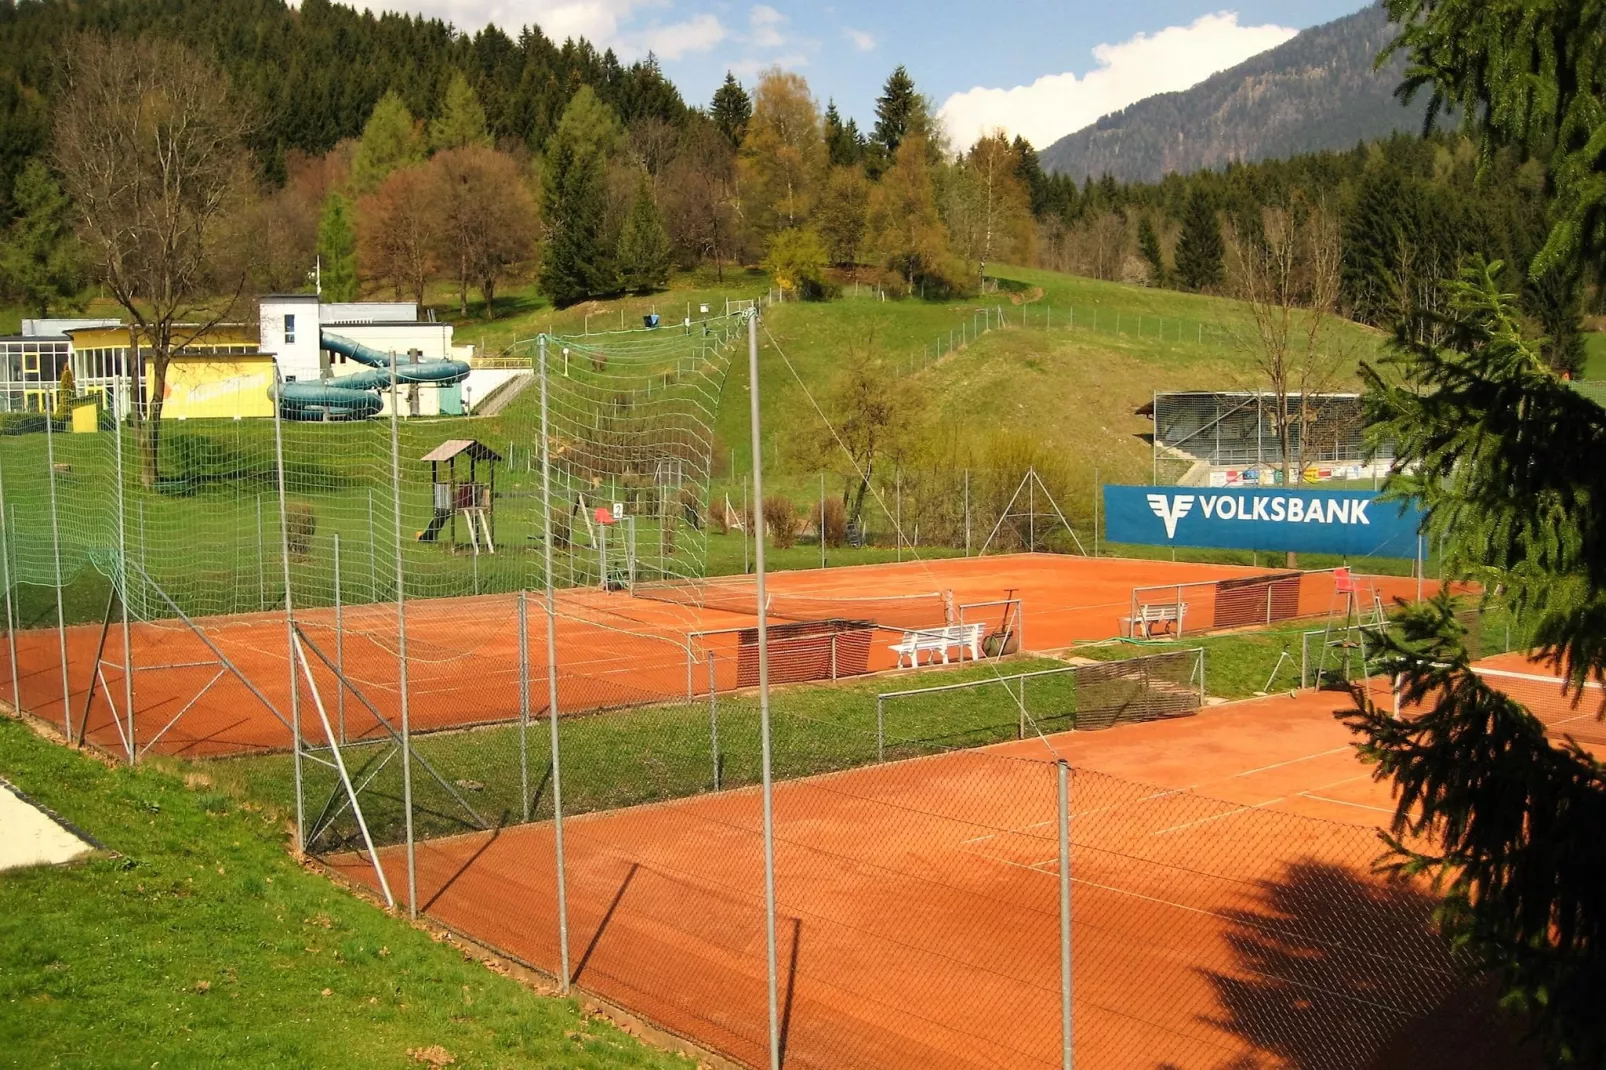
x=861, y=40
x=765, y=25
x=605, y=23
x=1058, y=104
x=749, y=68
x=697, y=34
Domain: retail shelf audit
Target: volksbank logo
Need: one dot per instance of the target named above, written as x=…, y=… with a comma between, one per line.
x=1170, y=512
x=1280, y=509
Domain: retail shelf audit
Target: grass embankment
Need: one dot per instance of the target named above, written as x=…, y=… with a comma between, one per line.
x=202, y=943
x=628, y=757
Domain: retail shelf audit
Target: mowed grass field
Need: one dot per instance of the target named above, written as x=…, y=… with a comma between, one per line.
x=195, y=940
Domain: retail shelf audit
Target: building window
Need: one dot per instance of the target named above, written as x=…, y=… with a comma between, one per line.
x=290, y=329
x=30, y=361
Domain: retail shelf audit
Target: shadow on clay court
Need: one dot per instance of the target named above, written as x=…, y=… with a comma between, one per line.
x=602, y=926
x=1333, y=970
x=464, y=868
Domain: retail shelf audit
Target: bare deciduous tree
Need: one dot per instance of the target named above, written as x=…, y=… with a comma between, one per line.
x=1288, y=274
x=699, y=196
x=487, y=218
x=397, y=227
x=151, y=149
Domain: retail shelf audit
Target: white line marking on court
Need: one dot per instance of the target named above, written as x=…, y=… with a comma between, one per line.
x=1217, y=817
x=1295, y=761
x=1346, y=802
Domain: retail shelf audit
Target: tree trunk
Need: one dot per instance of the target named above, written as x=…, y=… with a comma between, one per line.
x=1284, y=440
x=148, y=431
x=488, y=287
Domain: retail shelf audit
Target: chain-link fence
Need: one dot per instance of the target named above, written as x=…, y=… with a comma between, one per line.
x=479, y=686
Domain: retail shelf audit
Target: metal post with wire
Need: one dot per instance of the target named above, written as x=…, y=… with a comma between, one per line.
x=764, y=704
x=552, y=668
x=55, y=546
x=1067, y=1049
x=289, y=628
x=401, y=647
x=11, y=619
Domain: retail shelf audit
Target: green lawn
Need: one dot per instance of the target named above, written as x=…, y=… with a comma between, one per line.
x=201, y=943
x=627, y=757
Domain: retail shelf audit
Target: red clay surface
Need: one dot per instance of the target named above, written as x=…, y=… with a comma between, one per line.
x=1224, y=909
x=613, y=649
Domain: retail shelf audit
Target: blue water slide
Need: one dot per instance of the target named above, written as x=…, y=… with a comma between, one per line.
x=356, y=396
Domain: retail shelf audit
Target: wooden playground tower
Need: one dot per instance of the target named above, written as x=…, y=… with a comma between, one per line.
x=472, y=499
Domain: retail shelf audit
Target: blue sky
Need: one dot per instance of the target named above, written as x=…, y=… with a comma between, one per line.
x=1034, y=68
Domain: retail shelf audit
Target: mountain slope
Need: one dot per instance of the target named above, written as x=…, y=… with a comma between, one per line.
x=1316, y=91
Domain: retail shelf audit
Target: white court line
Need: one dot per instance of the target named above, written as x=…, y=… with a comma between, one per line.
x=1217, y=817
x=1295, y=761
x=1346, y=802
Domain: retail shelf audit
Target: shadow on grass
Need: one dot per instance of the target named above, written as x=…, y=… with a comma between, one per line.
x=1334, y=969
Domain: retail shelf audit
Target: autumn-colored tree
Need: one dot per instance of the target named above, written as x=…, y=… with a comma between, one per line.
x=906, y=233
x=842, y=213
x=782, y=158
x=151, y=150
x=398, y=231
x=699, y=187
x=487, y=218
x=797, y=260
x=989, y=209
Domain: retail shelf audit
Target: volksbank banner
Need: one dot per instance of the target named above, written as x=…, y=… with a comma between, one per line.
x=1350, y=522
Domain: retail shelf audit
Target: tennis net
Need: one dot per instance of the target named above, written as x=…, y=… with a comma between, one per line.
x=741, y=596
x=1575, y=713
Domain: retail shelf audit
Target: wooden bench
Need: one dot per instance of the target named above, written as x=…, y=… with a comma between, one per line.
x=935, y=641
x=1166, y=616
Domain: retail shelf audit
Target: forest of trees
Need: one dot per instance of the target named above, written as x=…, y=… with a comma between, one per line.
x=396, y=152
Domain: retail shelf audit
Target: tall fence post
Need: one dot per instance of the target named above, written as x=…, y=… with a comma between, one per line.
x=713, y=719
x=289, y=628
x=552, y=670
x=764, y=704
x=822, y=519
x=1067, y=1050
x=55, y=546
x=401, y=646
x=967, y=512
x=524, y=704
x=11, y=619
x=880, y=729
x=340, y=643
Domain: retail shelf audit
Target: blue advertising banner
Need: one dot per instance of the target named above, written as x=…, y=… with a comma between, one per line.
x=1350, y=522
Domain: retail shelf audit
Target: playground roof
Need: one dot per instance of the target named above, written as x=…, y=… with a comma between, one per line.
x=456, y=447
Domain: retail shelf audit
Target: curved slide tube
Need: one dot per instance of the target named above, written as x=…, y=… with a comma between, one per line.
x=356, y=396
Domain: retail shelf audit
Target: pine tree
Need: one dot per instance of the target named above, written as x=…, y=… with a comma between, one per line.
x=731, y=109
x=462, y=120
x=337, y=250
x=390, y=140
x=1149, y=247
x=1030, y=171
x=1200, y=251
x=843, y=143
x=39, y=265
x=898, y=109
x=643, y=245
x=574, y=263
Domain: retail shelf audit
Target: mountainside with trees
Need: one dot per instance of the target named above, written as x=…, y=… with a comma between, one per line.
x=1317, y=91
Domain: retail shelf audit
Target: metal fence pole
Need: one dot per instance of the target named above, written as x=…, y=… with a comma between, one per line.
x=55, y=546
x=401, y=647
x=289, y=628
x=822, y=519
x=373, y=552
x=967, y=512
x=897, y=482
x=122, y=566
x=764, y=705
x=552, y=671
x=713, y=719
x=880, y=730
x=1066, y=1046
x=11, y=619
x=524, y=704
x=262, y=568
x=340, y=644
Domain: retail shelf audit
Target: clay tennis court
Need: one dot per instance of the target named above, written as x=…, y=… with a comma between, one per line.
x=1224, y=908
x=613, y=649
